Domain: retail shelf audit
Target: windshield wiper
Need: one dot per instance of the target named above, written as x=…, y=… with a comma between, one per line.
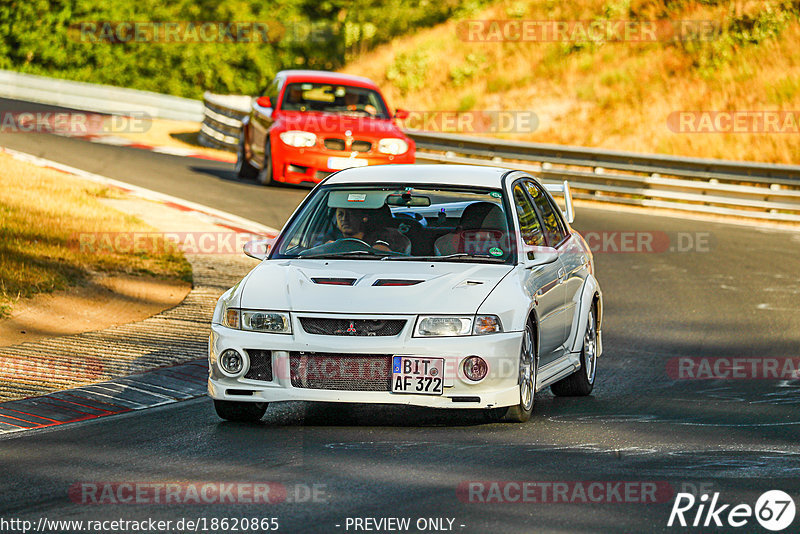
x=361, y=254
x=459, y=256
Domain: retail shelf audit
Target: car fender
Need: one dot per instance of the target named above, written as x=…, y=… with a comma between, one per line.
x=590, y=290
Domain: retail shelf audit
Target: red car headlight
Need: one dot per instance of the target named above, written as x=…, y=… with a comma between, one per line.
x=298, y=138
x=392, y=145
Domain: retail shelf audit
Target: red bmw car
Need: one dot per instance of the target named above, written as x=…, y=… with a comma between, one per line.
x=310, y=123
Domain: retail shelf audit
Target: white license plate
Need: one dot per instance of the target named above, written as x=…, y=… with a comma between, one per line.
x=345, y=163
x=420, y=376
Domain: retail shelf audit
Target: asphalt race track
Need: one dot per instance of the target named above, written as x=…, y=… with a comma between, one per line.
x=733, y=294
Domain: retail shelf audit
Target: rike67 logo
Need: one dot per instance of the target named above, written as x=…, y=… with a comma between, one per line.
x=774, y=510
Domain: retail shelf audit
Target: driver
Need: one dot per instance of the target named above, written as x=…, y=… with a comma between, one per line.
x=352, y=103
x=364, y=225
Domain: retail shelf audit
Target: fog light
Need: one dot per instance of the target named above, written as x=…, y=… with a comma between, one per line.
x=231, y=362
x=475, y=368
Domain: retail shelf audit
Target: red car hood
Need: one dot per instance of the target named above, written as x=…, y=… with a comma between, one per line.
x=333, y=123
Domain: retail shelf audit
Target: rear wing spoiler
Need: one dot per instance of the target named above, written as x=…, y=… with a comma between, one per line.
x=563, y=189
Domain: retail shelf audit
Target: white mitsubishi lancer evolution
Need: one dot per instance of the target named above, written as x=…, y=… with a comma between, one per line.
x=444, y=286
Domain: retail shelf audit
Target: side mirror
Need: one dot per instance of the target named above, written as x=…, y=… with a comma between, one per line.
x=264, y=102
x=535, y=256
x=401, y=114
x=257, y=248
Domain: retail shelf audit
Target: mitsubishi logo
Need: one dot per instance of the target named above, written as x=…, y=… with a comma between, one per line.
x=351, y=329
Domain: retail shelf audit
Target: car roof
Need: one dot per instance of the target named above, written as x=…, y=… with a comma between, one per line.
x=471, y=175
x=326, y=76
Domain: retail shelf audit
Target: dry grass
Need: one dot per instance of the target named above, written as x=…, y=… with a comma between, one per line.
x=42, y=212
x=614, y=95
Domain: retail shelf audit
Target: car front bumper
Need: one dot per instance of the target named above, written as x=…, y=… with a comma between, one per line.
x=499, y=387
x=298, y=165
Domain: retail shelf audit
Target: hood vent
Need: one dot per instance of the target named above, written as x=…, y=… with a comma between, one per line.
x=334, y=281
x=391, y=282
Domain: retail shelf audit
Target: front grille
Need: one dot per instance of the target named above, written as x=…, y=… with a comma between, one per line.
x=332, y=143
x=361, y=146
x=260, y=365
x=352, y=327
x=343, y=372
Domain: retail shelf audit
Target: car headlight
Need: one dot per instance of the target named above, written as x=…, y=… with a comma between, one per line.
x=271, y=322
x=266, y=321
x=298, y=138
x=456, y=325
x=438, y=326
x=392, y=145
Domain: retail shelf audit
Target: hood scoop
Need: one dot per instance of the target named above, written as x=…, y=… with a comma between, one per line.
x=334, y=281
x=396, y=282
x=469, y=283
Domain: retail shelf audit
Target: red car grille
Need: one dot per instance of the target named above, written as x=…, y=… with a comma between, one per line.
x=358, y=145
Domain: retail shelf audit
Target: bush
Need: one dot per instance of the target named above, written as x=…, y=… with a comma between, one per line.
x=44, y=37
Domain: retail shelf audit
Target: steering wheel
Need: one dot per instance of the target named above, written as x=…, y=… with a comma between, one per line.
x=354, y=240
x=346, y=244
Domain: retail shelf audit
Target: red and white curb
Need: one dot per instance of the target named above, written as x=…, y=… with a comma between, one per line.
x=165, y=385
x=114, y=140
x=213, y=215
x=136, y=392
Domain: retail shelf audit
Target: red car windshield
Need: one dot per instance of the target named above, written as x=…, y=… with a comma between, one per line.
x=334, y=98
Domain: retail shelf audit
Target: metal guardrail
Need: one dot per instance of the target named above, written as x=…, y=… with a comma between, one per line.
x=743, y=189
x=98, y=98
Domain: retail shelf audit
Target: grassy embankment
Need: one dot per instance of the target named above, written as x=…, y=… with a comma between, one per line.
x=615, y=95
x=42, y=211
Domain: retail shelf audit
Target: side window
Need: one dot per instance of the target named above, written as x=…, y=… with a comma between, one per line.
x=553, y=227
x=528, y=221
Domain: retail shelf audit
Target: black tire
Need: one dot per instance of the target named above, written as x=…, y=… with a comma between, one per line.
x=581, y=382
x=265, y=174
x=243, y=167
x=520, y=413
x=246, y=412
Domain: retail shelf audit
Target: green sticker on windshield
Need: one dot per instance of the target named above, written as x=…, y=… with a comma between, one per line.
x=494, y=251
x=495, y=194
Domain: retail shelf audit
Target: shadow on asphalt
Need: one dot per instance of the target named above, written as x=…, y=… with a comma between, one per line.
x=346, y=414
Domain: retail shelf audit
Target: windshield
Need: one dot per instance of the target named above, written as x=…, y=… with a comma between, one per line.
x=333, y=98
x=396, y=223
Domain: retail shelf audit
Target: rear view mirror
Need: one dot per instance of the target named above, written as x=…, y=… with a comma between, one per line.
x=535, y=255
x=407, y=199
x=264, y=102
x=257, y=248
x=400, y=114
